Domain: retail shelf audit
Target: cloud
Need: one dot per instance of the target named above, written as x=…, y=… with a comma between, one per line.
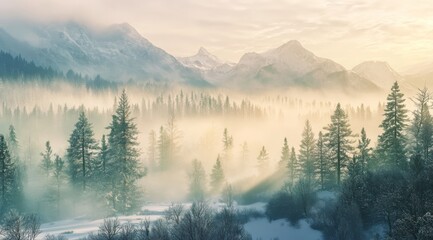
x=348, y=31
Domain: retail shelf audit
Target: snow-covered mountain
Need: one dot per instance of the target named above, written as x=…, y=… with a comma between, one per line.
x=379, y=73
x=290, y=65
x=202, y=60
x=117, y=53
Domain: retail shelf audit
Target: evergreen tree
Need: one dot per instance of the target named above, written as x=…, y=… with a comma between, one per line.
x=197, y=185
x=293, y=167
x=14, y=150
x=338, y=141
x=58, y=174
x=263, y=160
x=227, y=145
x=13, y=144
x=47, y=161
x=392, y=142
x=163, y=149
x=426, y=135
x=82, y=153
x=173, y=136
x=285, y=156
x=217, y=176
x=306, y=152
x=322, y=165
x=421, y=128
x=123, y=154
x=103, y=156
x=364, y=152
x=9, y=192
x=244, y=153
x=151, y=150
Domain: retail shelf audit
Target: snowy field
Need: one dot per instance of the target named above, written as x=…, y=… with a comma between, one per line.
x=259, y=228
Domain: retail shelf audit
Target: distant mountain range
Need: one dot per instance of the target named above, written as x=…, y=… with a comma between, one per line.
x=119, y=53
x=290, y=65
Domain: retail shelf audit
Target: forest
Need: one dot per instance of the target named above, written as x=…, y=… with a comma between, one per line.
x=199, y=146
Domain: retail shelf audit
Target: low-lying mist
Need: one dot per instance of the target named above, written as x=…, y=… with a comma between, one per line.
x=198, y=117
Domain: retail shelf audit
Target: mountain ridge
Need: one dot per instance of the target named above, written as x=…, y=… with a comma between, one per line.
x=117, y=52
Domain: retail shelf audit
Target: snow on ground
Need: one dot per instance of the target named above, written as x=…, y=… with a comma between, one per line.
x=259, y=228
x=80, y=227
x=281, y=229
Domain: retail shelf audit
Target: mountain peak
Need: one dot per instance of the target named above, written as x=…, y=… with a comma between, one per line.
x=292, y=42
x=379, y=72
x=203, y=60
x=126, y=29
x=377, y=66
x=203, y=51
x=291, y=45
x=291, y=48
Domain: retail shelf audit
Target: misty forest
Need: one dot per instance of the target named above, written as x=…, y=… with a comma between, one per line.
x=105, y=136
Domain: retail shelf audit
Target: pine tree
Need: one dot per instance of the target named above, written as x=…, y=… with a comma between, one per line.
x=244, y=153
x=197, y=186
x=426, y=135
x=285, y=156
x=14, y=150
x=173, y=136
x=58, y=174
x=151, y=150
x=293, y=167
x=103, y=156
x=227, y=145
x=47, y=161
x=163, y=149
x=124, y=167
x=338, y=141
x=364, y=151
x=421, y=127
x=82, y=153
x=217, y=176
x=306, y=152
x=322, y=165
x=8, y=180
x=13, y=144
x=392, y=142
x=263, y=160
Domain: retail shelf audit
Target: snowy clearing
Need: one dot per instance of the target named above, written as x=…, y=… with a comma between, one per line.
x=258, y=228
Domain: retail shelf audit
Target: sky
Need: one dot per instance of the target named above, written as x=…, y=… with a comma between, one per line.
x=346, y=31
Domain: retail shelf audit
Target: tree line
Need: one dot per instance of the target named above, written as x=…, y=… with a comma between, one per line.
x=387, y=185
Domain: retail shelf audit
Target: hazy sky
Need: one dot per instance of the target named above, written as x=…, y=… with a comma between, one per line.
x=347, y=31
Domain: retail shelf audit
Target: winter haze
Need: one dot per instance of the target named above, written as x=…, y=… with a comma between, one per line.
x=230, y=120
